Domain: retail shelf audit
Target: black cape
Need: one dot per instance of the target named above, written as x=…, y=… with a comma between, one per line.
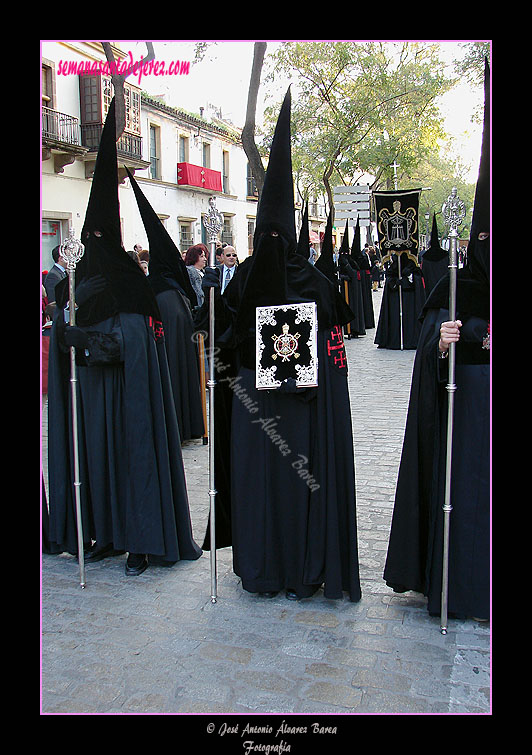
x=388, y=334
x=414, y=559
x=288, y=506
x=183, y=361
x=133, y=486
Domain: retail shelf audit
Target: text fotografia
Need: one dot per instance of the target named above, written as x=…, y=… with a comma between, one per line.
x=123, y=68
x=249, y=745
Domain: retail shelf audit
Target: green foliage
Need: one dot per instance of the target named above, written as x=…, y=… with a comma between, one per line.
x=359, y=106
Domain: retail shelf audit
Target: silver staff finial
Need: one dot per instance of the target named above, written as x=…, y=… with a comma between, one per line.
x=72, y=250
x=213, y=220
x=454, y=212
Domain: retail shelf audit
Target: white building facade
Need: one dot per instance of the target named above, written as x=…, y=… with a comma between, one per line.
x=179, y=159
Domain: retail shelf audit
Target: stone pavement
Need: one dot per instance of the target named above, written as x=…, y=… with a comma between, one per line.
x=155, y=644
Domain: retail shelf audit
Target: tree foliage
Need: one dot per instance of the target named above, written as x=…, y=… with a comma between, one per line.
x=360, y=106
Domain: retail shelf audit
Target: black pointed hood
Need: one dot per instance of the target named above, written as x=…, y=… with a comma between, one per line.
x=275, y=274
x=344, y=246
x=167, y=267
x=303, y=243
x=276, y=205
x=127, y=288
x=478, y=252
x=473, y=280
x=356, y=255
x=266, y=283
x=434, y=252
x=325, y=262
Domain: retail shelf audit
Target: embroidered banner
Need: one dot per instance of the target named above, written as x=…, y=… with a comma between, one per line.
x=397, y=215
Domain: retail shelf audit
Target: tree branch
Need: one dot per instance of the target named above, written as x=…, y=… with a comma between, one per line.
x=117, y=80
x=248, y=132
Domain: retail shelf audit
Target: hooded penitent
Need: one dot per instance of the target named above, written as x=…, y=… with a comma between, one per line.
x=351, y=287
x=133, y=490
x=435, y=261
x=364, y=266
x=415, y=552
x=286, y=533
x=127, y=288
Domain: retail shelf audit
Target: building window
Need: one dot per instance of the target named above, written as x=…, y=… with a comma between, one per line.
x=251, y=185
x=185, y=236
x=227, y=232
x=225, y=171
x=96, y=93
x=47, y=86
x=251, y=233
x=183, y=149
x=154, y=152
x=206, y=155
x=90, y=100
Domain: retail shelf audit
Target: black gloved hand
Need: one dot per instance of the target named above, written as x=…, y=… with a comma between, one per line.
x=73, y=336
x=211, y=278
x=89, y=287
x=289, y=386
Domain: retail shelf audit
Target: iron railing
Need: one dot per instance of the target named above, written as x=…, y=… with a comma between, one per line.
x=60, y=127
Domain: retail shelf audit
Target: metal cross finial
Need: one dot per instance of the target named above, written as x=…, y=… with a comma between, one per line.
x=72, y=250
x=213, y=220
x=454, y=212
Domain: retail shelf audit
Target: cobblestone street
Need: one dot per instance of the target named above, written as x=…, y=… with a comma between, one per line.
x=156, y=644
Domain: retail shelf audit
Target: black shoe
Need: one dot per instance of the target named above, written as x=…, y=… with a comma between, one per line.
x=291, y=595
x=136, y=563
x=98, y=552
x=268, y=594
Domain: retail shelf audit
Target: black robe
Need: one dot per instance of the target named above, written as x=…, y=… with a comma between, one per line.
x=289, y=490
x=183, y=360
x=414, y=559
x=367, y=299
x=350, y=280
x=388, y=334
x=133, y=489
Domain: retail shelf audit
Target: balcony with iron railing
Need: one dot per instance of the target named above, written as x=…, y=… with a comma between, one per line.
x=129, y=145
x=60, y=127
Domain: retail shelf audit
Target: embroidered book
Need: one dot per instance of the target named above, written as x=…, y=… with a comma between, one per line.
x=287, y=345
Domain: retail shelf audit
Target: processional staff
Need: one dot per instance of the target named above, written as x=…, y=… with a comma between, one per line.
x=72, y=251
x=213, y=222
x=453, y=214
x=395, y=165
